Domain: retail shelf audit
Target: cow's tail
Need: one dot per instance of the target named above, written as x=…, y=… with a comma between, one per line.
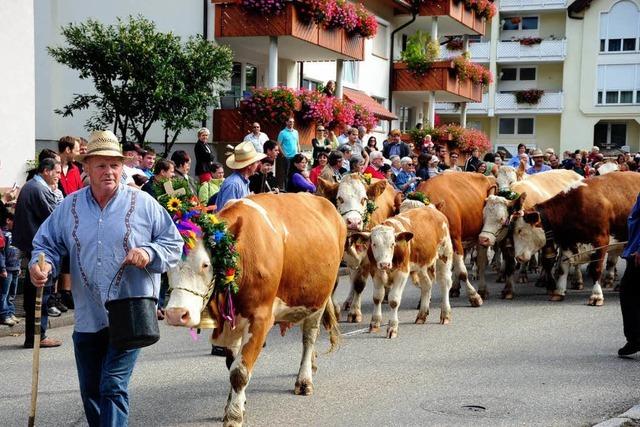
x=330, y=323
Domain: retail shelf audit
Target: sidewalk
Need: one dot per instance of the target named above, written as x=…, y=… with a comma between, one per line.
x=630, y=418
x=65, y=319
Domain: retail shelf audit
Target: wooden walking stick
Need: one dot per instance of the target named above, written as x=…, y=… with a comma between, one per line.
x=35, y=370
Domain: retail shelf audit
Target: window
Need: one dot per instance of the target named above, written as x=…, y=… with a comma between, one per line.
x=310, y=84
x=516, y=126
x=617, y=84
x=509, y=74
x=405, y=116
x=612, y=97
x=626, y=97
x=530, y=23
x=235, y=91
x=619, y=30
x=382, y=125
x=380, y=41
x=350, y=71
x=609, y=135
x=527, y=73
x=510, y=24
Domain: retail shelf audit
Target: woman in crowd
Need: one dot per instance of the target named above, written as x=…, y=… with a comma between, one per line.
x=263, y=181
x=482, y=168
x=330, y=89
x=432, y=166
x=489, y=160
x=298, y=180
x=453, y=159
x=422, y=171
x=372, y=145
x=322, y=160
x=357, y=164
x=322, y=143
x=210, y=188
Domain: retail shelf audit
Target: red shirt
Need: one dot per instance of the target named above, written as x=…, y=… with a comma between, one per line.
x=374, y=173
x=72, y=181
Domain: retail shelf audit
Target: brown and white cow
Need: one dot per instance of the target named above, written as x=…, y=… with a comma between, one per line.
x=590, y=216
x=415, y=243
x=497, y=212
x=290, y=247
x=460, y=196
x=350, y=197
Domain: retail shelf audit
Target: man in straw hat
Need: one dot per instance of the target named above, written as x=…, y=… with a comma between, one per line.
x=244, y=162
x=119, y=240
x=538, y=163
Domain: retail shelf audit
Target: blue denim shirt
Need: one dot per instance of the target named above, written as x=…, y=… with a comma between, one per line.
x=97, y=241
x=633, y=223
x=233, y=187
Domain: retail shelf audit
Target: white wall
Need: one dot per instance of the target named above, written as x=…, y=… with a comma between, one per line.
x=17, y=90
x=56, y=84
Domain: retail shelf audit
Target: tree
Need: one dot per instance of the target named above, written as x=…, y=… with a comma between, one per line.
x=142, y=76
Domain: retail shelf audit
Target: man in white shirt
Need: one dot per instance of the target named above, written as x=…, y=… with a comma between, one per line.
x=256, y=137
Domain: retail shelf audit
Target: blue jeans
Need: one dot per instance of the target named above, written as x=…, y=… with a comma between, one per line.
x=103, y=374
x=8, y=288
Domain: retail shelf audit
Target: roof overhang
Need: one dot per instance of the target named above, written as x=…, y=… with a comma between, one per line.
x=365, y=100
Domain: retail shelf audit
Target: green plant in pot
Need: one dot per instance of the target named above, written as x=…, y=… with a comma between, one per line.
x=420, y=52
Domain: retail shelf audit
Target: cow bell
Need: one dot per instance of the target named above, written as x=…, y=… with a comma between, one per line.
x=206, y=321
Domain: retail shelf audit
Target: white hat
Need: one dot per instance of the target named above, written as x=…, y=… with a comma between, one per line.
x=243, y=155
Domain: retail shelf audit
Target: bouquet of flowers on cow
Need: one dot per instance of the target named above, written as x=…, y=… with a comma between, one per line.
x=194, y=222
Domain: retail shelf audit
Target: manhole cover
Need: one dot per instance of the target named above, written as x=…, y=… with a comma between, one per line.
x=471, y=406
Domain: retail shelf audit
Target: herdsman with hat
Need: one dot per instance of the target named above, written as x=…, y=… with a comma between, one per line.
x=244, y=162
x=538, y=163
x=119, y=240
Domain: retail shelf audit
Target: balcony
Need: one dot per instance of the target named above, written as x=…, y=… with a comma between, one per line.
x=472, y=107
x=297, y=40
x=230, y=126
x=547, y=51
x=455, y=18
x=479, y=52
x=550, y=103
x=531, y=5
x=440, y=79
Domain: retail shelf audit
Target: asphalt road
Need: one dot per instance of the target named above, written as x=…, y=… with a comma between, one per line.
x=520, y=362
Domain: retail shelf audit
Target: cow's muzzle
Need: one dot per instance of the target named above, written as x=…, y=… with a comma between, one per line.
x=178, y=316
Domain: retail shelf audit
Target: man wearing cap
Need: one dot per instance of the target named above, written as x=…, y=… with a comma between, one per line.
x=538, y=163
x=119, y=240
x=256, y=137
x=244, y=162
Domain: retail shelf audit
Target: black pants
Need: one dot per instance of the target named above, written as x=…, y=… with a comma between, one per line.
x=630, y=302
x=30, y=309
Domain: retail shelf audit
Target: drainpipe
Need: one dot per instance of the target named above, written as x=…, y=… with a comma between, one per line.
x=205, y=34
x=414, y=13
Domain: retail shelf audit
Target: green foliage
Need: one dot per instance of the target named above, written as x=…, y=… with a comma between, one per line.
x=419, y=196
x=420, y=52
x=142, y=76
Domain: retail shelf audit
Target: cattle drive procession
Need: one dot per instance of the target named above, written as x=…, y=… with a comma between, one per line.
x=320, y=213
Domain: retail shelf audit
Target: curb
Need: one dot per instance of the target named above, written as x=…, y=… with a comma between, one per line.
x=629, y=418
x=66, y=319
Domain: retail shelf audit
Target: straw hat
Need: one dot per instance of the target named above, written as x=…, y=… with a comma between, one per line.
x=243, y=155
x=102, y=143
x=537, y=153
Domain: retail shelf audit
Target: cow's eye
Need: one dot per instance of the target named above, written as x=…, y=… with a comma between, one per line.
x=205, y=265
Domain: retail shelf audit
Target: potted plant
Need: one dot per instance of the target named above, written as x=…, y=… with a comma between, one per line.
x=455, y=43
x=530, y=41
x=530, y=96
x=420, y=52
x=516, y=20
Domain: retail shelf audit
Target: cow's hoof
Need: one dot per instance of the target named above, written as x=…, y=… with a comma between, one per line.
x=608, y=282
x=374, y=328
x=304, y=388
x=475, y=300
x=421, y=318
x=596, y=301
x=354, y=318
x=556, y=298
x=392, y=332
x=445, y=318
x=508, y=295
x=454, y=293
x=231, y=421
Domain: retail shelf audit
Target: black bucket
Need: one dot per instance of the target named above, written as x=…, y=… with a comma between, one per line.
x=133, y=322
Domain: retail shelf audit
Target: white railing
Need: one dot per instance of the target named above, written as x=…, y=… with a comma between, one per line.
x=548, y=50
x=551, y=102
x=479, y=52
x=526, y=5
x=472, y=107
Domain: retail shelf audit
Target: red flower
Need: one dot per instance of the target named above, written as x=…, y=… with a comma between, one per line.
x=230, y=272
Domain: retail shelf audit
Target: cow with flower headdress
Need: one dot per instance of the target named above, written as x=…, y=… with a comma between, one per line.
x=261, y=260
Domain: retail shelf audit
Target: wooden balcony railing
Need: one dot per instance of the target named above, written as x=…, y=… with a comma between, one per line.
x=456, y=10
x=439, y=78
x=232, y=21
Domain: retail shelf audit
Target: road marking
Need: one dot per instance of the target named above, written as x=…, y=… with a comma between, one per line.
x=360, y=331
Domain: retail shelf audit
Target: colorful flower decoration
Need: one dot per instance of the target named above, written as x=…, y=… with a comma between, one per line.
x=174, y=204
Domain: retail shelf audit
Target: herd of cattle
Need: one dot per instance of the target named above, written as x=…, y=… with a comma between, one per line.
x=282, y=238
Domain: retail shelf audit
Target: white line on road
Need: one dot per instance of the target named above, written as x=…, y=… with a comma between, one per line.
x=360, y=331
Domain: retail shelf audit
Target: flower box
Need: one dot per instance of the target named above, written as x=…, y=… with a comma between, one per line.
x=456, y=10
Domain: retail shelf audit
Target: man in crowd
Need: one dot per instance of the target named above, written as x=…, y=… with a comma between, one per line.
x=256, y=137
x=35, y=203
x=538, y=163
x=522, y=152
x=182, y=163
x=376, y=160
x=162, y=171
x=148, y=160
x=442, y=157
x=244, y=162
x=89, y=227
x=69, y=149
x=272, y=150
x=289, y=142
x=332, y=172
x=347, y=152
x=131, y=166
x=394, y=146
x=630, y=286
